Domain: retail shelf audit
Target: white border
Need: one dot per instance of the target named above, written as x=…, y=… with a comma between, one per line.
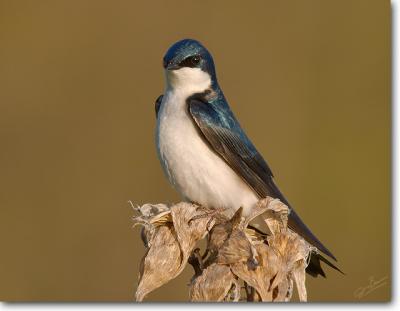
x=333, y=306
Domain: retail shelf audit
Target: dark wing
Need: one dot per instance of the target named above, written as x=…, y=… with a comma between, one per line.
x=223, y=133
x=230, y=142
x=157, y=104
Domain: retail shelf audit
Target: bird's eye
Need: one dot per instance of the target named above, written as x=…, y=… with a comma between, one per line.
x=195, y=60
x=191, y=61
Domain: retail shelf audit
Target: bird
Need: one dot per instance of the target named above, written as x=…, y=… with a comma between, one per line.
x=205, y=153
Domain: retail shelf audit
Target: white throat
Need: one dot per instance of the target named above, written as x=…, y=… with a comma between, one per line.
x=187, y=81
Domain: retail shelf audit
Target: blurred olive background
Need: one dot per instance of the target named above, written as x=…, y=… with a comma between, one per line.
x=308, y=80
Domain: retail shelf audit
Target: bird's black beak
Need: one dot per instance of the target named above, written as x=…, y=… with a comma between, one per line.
x=170, y=66
x=173, y=66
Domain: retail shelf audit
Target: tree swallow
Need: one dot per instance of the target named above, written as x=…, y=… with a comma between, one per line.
x=205, y=153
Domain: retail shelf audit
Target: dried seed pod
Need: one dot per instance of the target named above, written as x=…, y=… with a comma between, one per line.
x=161, y=263
x=191, y=224
x=213, y=284
x=237, y=248
x=276, y=214
x=171, y=236
x=262, y=276
x=268, y=266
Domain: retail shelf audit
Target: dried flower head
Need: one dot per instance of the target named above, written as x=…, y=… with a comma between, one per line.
x=240, y=261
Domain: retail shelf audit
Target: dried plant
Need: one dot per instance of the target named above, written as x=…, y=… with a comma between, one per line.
x=240, y=262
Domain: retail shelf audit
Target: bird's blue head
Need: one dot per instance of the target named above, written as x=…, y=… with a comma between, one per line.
x=189, y=60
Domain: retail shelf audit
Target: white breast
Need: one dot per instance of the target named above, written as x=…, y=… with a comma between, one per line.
x=198, y=173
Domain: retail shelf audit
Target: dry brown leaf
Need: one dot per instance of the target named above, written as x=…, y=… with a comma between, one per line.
x=292, y=250
x=259, y=278
x=218, y=235
x=237, y=248
x=276, y=214
x=299, y=276
x=161, y=263
x=213, y=284
x=170, y=244
x=191, y=224
x=150, y=210
x=290, y=247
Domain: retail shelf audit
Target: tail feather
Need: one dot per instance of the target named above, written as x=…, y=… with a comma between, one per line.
x=297, y=225
x=314, y=267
